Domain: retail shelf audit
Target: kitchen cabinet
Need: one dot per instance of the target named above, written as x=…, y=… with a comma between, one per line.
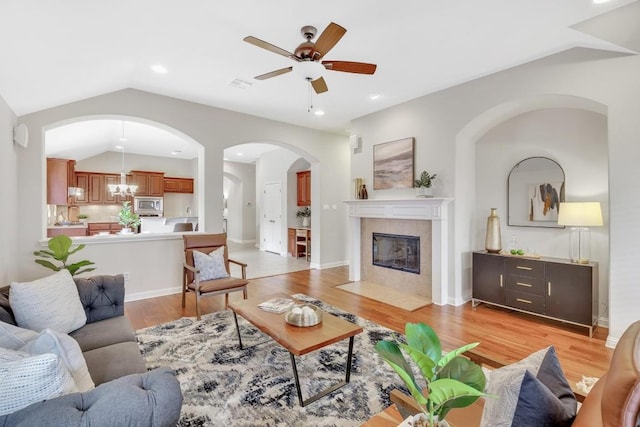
x=69, y=231
x=60, y=176
x=304, y=188
x=95, y=190
x=101, y=227
x=82, y=182
x=149, y=183
x=299, y=242
x=178, y=185
x=550, y=287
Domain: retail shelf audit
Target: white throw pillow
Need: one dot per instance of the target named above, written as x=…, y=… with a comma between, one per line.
x=211, y=266
x=13, y=337
x=51, y=302
x=26, y=379
x=68, y=349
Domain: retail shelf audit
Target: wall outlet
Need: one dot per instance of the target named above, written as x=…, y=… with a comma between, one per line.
x=127, y=277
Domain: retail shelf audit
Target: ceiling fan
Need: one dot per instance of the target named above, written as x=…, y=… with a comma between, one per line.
x=308, y=56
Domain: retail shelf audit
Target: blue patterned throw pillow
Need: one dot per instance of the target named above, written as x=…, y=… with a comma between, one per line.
x=211, y=266
x=531, y=392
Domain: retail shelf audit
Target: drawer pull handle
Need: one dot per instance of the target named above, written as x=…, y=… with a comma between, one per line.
x=523, y=300
x=501, y=280
x=519, y=267
x=524, y=284
x=549, y=288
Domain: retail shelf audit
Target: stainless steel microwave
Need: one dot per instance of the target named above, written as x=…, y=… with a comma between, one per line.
x=148, y=206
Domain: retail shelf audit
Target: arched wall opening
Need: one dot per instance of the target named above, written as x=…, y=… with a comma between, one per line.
x=279, y=167
x=100, y=154
x=468, y=219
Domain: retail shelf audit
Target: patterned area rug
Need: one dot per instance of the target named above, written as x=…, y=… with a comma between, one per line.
x=225, y=386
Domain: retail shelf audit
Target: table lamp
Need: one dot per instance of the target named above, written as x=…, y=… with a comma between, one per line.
x=580, y=216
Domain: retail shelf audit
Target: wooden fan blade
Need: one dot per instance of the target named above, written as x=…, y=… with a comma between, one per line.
x=273, y=73
x=327, y=40
x=350, y=67
x=271, y=48
x=319, y=85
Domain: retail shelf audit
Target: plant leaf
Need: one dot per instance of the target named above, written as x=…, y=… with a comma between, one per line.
x=446, y=389
x=79, y=247
x=424, y=362
x=455, y=353
x=86, y=270
x=391, y=354
x=48, y=264
x=45, y=253
x=423, y=338
x=467, y=372
x=73, y=268
x=60, y=245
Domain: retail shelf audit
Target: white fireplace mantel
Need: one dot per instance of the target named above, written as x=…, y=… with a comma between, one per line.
x=427, y=209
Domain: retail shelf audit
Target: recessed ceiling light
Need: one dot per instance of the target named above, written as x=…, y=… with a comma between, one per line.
x=174, y=153
x=160, y=69
x=240, y=154
x=226, y=159
x=600, y=1
x=119, y=147
x=374, y=96
x=319, y=113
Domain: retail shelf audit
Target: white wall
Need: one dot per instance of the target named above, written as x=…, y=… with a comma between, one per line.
x=448, y=124
x=213, y=129
x=241, y=206
x=577, y=140
x=9, y=252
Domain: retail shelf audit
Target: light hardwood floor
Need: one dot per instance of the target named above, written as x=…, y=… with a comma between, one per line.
x=503, y=335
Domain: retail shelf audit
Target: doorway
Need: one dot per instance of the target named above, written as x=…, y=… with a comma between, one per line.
x=272, y=219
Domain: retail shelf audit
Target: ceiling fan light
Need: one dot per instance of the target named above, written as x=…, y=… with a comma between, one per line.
x=309, y=70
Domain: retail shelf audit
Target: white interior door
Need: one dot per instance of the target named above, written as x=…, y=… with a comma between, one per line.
x=272, y=218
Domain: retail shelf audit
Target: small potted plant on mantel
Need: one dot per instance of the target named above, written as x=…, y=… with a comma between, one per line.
x=423, y=185
x=304, y=213
x=127, y=218
x=450, y=381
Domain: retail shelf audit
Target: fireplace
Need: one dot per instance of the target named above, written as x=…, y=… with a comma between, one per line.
x=407, y=217
x=396, y=251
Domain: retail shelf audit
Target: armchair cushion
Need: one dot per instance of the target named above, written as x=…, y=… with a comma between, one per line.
x=211, y=266
x=51, y=302
x=532, y=392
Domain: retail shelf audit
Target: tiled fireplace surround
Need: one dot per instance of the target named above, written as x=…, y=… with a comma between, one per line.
x=424, y=217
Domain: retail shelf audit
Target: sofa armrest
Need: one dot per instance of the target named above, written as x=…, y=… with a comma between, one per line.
x=102, y=296
x=152, y=399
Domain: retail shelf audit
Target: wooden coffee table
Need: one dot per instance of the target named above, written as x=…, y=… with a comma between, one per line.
x=298, y=340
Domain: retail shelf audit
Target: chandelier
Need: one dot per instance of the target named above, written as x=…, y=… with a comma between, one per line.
x=122, y=189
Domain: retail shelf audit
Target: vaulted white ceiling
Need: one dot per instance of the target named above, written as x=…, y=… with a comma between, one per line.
x=59, y=51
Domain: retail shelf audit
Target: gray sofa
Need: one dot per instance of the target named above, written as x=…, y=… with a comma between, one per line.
x=125, y=394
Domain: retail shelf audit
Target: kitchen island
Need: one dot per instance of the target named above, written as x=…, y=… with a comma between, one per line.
x=165, y=224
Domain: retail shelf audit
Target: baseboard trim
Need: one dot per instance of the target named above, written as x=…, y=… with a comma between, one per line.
x=152, y=294
x=241, y=242
x=328, y=265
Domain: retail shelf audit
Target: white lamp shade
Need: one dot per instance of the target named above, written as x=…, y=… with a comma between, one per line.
x=580, y=214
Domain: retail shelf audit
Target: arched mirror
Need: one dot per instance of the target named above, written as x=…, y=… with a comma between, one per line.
x=535, y=190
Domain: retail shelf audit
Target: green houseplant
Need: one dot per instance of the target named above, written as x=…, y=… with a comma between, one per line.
x=450, y=381
x=423, y=185
x=127, y=218
x=60, y=250
x=304, y=213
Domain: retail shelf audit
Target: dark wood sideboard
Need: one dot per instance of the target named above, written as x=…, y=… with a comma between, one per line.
x=554, y=288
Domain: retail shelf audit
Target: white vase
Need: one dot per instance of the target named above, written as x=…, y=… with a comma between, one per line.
x=126, y=231
x=420, y=420
x=305, y=221
x=424, y=192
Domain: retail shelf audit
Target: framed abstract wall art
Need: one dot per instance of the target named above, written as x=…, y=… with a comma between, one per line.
x=393, y=164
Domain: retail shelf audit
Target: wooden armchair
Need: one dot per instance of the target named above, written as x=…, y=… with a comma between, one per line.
x=207, y=243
